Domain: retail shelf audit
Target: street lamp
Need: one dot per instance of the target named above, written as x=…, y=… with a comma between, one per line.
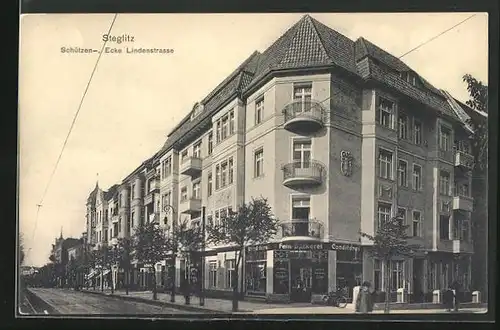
x=166, y=208
x=114, y=267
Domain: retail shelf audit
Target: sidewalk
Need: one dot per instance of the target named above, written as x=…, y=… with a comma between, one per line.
x=212, y=305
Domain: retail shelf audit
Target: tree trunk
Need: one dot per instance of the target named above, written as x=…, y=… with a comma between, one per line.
x=235, y=281
x=127, y=279
x=387, y=304
x=153, y=278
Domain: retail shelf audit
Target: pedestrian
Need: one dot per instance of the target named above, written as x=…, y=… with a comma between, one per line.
x=455, y=286
x=364, y=300
x=448, y=298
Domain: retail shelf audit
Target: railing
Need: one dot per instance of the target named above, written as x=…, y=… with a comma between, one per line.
x=304, y=109
x=188, y=158
x=302, y=227
x=464, y=159
x=303, y=169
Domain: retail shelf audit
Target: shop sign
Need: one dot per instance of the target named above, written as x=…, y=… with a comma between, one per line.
x=254, y=248
x=303, y=246
x=343, y=247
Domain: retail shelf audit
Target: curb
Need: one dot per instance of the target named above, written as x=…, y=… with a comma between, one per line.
x=404, y=306
x=39, y=301
x=158, y=303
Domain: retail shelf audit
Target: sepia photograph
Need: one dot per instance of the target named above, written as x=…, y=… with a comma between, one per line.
x=181, y=165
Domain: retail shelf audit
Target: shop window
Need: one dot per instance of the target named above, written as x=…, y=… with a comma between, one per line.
x=377, y=275
x=256, y=276
x=230, y=275
x=281, y=277
x=397, y=276
x=212, y=274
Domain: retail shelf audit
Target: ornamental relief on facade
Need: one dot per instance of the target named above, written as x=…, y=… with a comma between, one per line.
x=223, y=198
x=445, y=206
x=346, y=163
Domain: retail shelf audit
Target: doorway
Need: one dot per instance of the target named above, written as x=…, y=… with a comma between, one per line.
x=418, y=275
x=301, y=280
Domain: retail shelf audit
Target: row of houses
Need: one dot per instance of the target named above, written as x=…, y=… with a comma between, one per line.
x=338, y=135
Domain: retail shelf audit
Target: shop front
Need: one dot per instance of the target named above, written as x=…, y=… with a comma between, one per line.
x=298, y=271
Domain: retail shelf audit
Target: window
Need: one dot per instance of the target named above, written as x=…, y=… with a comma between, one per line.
x=223, y=181
x=255, y=272
x=417, y=132
x=415, y=225
x=132, y=220
x=377, y=274
x=302, y=154
x=259, y=163
x=397, y=269
x=259, y=111
x=402, y=215
x=444, y=227
x=219, y=130
x=184, y=156
x=225, y=127
x=210, y=143
x=462, y=190
x=132, y=192
x=444, y=138
x=231, y=122
x=403, y=126
x=463, y=146
x=461, y=228
x=212, y=274
x=217, y=176
x=303, y=94
x=197, y=150
x=417, y=177
x=209, y=184
x=444, y=183
x=385, y=112
x=196, y=190
x=385, y=164
x=115, y=229
x=230, y=269
x=184, y=194
x=384, y=213
x=230, y=171
x=402, y=173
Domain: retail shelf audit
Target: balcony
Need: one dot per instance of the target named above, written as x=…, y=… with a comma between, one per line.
x=460, y=246
x=463, y=203
x=114, y=219
x=301, y=229
x=148, y=199
x=304, y=116
x=191, y=206
x=464, y=160
x=300, y=173
x=191, y=166
x=154, y=186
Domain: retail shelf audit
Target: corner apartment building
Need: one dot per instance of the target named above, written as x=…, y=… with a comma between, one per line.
x=338, y=135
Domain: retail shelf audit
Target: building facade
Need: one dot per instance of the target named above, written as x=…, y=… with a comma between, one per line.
x=338, y=135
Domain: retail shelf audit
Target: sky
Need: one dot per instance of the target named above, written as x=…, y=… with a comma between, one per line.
x=135, y=100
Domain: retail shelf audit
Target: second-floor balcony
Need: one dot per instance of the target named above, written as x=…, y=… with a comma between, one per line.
x=303, y=173
x=463, y=203
x=301, y=229
x=190, y=205
x=191, y=166
x=304, y=116
x=464, y=160
x=114, y=218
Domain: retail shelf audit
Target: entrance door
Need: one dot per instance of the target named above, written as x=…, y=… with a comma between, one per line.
x=418, y=275
x=301, y=281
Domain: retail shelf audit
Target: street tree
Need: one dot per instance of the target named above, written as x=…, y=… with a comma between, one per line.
x=478, y=93
x=104, y=261
x=253, y=223
x=389, y=242
x=478, y=101
x=150, y=247
x=186, y=240
x=124, y=256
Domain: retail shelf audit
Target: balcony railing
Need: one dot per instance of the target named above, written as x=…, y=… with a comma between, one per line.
x=464, y=160
x=191, y=166
x=303, y=173
x=154, y=185
x=464, y=203
x=303, y=228
x=304, y=116
x=191, y=205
